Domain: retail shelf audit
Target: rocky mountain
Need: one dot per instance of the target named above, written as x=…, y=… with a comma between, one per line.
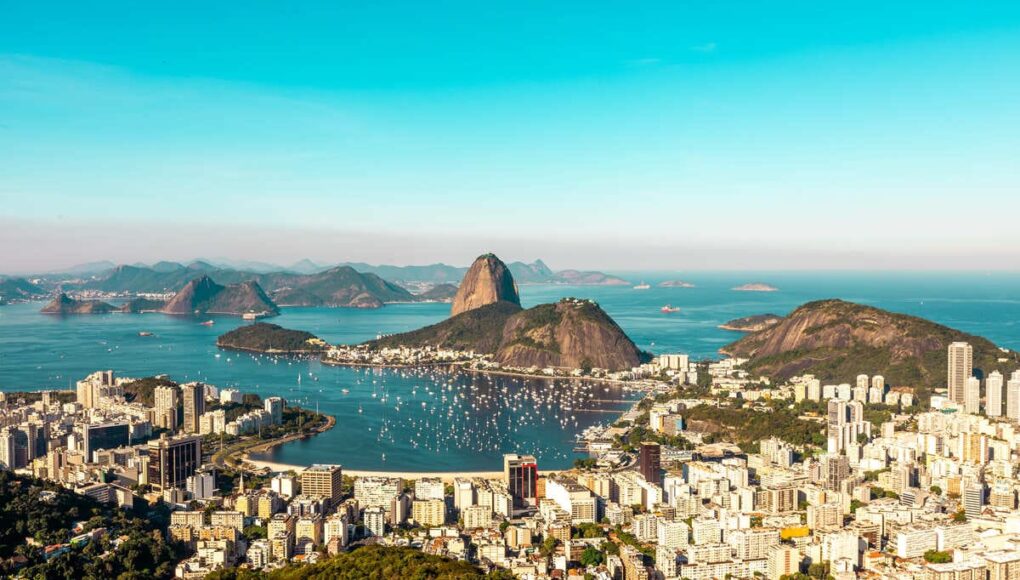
x=64, y=304
x=487, y=281
x=140, y=305
x=587, y=278
x=341, y=286
x=204, y=296
x=270, y=338
x=14, y=289
x=571, y=333
x=535, y=272
x=752, y=323
x=487, y=318
x=438, y=293
x=837, y=340
x=480, y=330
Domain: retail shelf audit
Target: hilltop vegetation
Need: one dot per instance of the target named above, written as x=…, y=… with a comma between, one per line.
x=47, y=513
x=270, y=338
x=837, y=340
x=371, y=563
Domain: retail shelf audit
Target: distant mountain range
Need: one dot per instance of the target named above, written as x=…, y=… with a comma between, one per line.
x=177, y=274
x=17, y=289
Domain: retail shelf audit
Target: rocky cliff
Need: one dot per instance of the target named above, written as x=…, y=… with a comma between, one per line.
x=487, y=281
x=571, y=333
x=204, y=296
x=568, y=334
x=64, y=304
x=837, y=340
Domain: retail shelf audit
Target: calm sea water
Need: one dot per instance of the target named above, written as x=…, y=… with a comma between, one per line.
x=439, y=421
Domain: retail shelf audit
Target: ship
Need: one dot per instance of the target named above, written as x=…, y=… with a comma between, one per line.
x=642, y=286
x=144, y=333
x=669, y=309
x=207, y=323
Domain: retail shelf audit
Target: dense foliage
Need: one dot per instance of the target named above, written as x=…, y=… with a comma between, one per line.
x=747, y=425
x=144, y=390
x=480, y=330
x=47, y=513
x=264, y=337
x=370, y=563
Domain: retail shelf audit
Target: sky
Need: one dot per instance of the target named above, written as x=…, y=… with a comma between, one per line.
x=623, y=136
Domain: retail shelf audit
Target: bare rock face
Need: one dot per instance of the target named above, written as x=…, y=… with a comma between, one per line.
x=203, y=295
x=568, y=334
x=487, y=281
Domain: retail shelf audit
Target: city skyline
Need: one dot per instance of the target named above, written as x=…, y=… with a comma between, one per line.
x=782, y=137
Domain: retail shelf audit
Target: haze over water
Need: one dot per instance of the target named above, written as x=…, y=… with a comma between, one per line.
x=39, y=351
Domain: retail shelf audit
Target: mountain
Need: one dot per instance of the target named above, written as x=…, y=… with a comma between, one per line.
x=339, y=286
x=139, y=305
x=64, y=304
x=752, y=323
x=487, y=318
x=87, y=269
x=12, y=289
x=675, y=284
x=837, y=340
x=571, y=333
x=535, y=272
x=480, y=330
x=270, y=338
x=306, y=266
x=433, y=273
x=438, y=293
x=586, y=278
x=487, y=281
x=755, y=287
x=203, y=296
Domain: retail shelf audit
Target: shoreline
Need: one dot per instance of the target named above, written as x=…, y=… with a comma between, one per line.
x=446, y=476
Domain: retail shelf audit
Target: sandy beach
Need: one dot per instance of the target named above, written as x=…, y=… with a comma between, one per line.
x=446, y=476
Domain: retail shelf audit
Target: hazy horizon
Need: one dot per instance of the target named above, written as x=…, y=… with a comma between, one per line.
x=668, y=136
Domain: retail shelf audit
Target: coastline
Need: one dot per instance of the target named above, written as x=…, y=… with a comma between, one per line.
x=446, y=476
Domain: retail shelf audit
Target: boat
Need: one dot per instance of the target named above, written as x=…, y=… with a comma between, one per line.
x=642, y=286
x=207, y=323
x=667, y=309
x=144, y=333
x=345, y=391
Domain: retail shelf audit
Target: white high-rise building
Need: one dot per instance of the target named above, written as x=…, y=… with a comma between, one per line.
x=993, y=394
x=961, y=368
x=972, y=395
x=1013, y=397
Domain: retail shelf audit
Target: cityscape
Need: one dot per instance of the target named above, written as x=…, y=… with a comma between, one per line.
x=509, y=290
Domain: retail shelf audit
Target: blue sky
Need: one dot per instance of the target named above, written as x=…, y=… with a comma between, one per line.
x=686, y=135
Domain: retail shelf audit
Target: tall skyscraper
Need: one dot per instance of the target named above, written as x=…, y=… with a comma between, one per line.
x=173, y=461
x=521, y=475
x=194, y=406
x=961, y=368
x=972, y=395
x=993, y=394
x=651, y=462
x=1013, y=397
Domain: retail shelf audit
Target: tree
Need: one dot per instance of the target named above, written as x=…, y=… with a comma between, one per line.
x=937, y=557
x=592, y=557
x=935, y=489
x=960, y=516
x=548, y=546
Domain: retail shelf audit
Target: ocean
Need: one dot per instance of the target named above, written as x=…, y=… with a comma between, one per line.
x=435, y=421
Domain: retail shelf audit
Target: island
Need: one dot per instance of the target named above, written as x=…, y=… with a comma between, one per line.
x=755, y=287
x=204, y=296
x=754, y=323
x=64, y=304
x=675, y=284
x=268, y=338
